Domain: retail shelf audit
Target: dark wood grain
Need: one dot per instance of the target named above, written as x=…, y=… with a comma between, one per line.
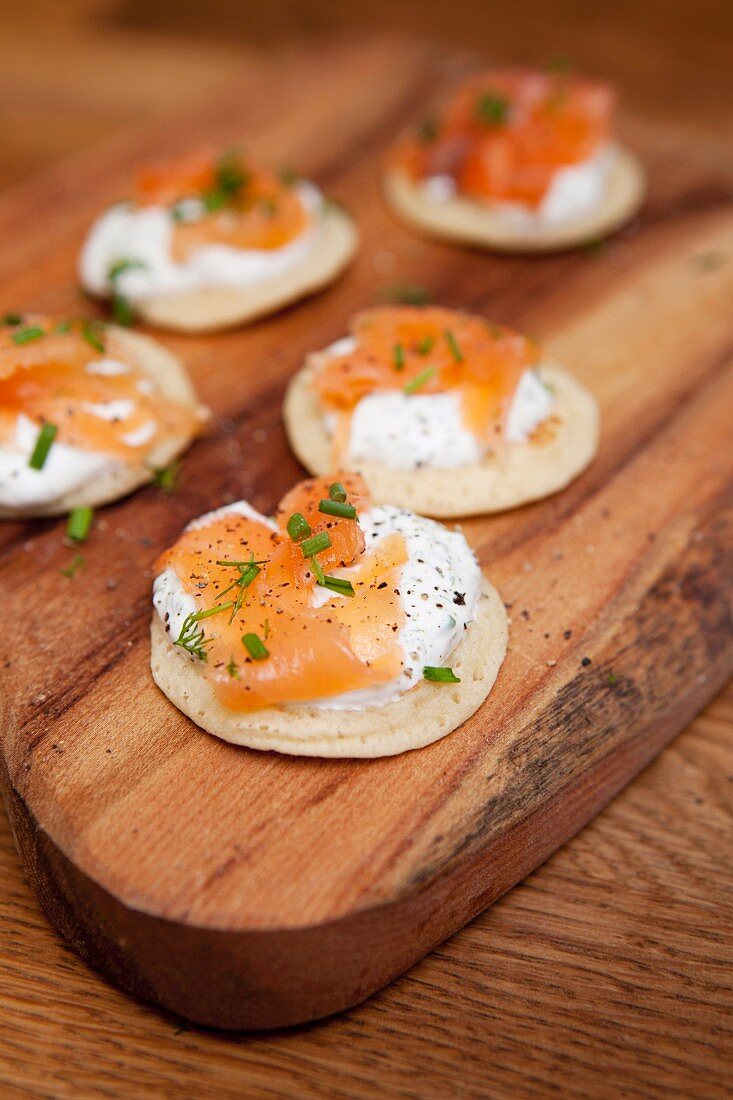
x=629, y=561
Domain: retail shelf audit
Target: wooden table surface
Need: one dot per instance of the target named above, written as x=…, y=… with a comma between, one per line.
x=608, y=971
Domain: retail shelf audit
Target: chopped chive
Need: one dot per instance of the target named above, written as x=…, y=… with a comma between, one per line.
x=63, y=326
x=420, y=380
x=12, y=319
x=337, y=508
x=255, y=647
x=338, y=584
x=77, y=562
x=46, y=437
x=337, y=492
x=298, y=527
x=89, y=331
x=316, y=544
x=491, y=109
x=123, y=264
x=249, y=573
x=210, y=611
x=166, y=477
x=232, y=669
x=438, y=674
x=318, y=572
x=240, y=564
x=79, y=523
x=453, y=345
x=123, y=311
x=405, y=294
x=398, y=357
x=427, y=131
x=25, y=335
x=288, y=177
x=426, y=345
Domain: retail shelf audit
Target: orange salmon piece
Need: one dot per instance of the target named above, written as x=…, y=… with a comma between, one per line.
x=434, y=350
x=312, y=651
x=47, y=380
x=248, y=207
x=506, y=133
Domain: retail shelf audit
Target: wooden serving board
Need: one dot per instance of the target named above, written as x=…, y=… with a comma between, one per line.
x=251, y=890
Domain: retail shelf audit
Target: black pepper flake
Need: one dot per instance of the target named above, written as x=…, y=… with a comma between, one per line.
x=459, y=598
x=567, y=634
x=585, y=662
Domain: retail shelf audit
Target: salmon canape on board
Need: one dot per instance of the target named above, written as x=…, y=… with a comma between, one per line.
x=441, y=411
x=518, y=160
x=339, y=627
x=88, y=412
x=211, y=242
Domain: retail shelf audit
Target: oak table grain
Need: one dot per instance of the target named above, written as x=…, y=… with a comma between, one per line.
x=606, y=973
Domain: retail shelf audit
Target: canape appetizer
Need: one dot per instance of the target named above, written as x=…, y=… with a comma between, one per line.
x=208, y=243
x=441, y=411
x=518, y=161
x=88, y=412
x=337, y=628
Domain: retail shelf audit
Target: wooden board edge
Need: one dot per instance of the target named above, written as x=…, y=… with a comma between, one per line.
x=263, y=979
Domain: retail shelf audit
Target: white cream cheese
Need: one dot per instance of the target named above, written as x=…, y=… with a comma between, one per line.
x=66, y=469
x=129, y=232
x=406, y=431
x=439, y=587
x=574, y=192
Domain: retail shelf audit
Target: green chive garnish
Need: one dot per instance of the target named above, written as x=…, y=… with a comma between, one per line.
x=46, y=437
x=12, y=319
x=77, y=562
x=298, y=527
x=438, y=674
x=90, y=331
x=337, y=492
x=427, y=131
x=79, y=523
x=337, y=508
x=63, y=326
x=491, y=109
x=452, y=344
x=25, y=335
x=316, y=544
x=338, y=584
x=255, y=647
x=398, y=356
x=426, y=345
x=406, y=294
x=232, y=669
x=318, y=572
x=166, y=477
x=211, y=611
x=420, y=380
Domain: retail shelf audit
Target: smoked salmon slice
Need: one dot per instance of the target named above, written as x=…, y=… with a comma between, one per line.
x=506, y=132
x=223, y=200
x=276, y=622
x=428, y=350
x=81, y=377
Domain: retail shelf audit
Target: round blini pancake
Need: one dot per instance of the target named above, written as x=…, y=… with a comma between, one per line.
x=170, y=376
x=473, y=223
x=519, y=473
x=422, y=715
x=225, y=307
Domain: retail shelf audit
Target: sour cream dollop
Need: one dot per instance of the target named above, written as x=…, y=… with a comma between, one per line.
x=439, y=587
x=143, y=234
x=574, y=192
x=406, y=431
